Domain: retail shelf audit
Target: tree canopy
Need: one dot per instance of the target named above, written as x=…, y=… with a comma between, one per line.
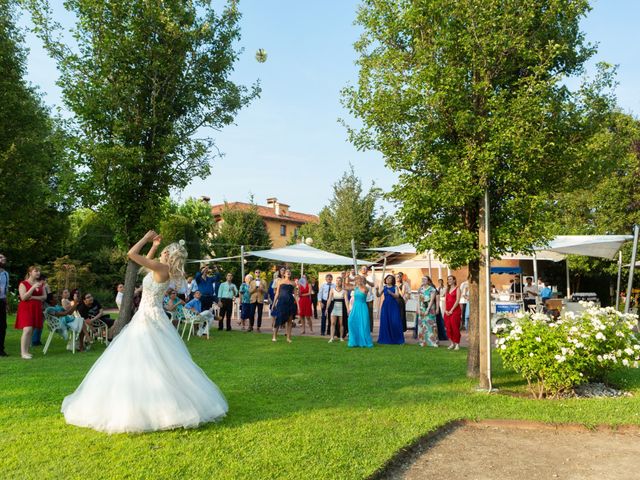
x=469, y=97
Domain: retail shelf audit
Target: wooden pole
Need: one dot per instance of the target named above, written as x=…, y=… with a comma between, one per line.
x=484, y=294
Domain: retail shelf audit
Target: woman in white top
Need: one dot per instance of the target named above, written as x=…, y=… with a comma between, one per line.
x=339, y=298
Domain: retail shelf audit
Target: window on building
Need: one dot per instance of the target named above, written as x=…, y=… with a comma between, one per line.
x=283, y=230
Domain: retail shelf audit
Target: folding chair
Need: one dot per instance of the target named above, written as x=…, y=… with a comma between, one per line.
x=55, y=326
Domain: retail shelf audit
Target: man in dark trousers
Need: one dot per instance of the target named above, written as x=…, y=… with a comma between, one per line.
x=323, y=297
x=4, y=290
x=257, y=290
x=227, y=292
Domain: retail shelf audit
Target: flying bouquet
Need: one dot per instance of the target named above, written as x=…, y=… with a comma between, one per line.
x=261, y=55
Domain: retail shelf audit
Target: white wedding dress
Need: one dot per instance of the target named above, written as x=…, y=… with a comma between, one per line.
x=145, y=380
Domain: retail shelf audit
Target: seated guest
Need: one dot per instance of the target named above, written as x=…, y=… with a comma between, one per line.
x=196, y=307
x=174, y=304
x=67, y=320
x=90, y=309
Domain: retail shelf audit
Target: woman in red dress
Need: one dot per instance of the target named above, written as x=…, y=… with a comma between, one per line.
x=304, y=304
x=452, y=313
x=29, y=314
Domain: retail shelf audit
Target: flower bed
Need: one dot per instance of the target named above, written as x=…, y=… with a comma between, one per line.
x=556, y=355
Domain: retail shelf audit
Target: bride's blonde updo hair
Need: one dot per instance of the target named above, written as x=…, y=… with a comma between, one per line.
x=177, y=258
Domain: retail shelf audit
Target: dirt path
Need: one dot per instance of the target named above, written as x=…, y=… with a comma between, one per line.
x=510, y=450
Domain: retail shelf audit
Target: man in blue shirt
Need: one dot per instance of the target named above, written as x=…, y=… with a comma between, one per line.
x=323, y=297
x=4, y=290
x=226, y=294
x=208, y=281
x=195, y=306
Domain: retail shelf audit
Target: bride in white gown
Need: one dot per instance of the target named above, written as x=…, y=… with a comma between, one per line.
x=146, y=380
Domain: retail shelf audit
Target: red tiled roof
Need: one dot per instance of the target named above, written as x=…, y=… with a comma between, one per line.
x=266, y=212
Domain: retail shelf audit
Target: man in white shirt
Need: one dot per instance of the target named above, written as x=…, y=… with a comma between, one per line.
x=323, y=298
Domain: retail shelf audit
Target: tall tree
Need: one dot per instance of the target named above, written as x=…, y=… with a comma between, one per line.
x=352, y=213
x=142, y=80
x=32, y=156
x=468, y=96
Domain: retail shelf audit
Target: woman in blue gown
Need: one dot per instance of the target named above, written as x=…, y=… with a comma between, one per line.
x=285, y=305
x=391, y=332
x=359, y=334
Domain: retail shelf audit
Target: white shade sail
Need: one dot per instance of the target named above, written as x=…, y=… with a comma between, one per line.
x=540, y=255
x=601, y=246
x=302, y=253
x=404, y=248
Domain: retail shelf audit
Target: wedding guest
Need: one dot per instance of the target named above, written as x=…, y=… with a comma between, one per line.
x=359, y=334
x=227, y=292
x=452, y=313
x=529, y=292
x=175, y=305
x=29, y=315
x=390, y=318
x=285, y=306
x=207, y=281
x=37, y=332
x=119, y=295
x=338, y=313
x=192, y=287
x=90, y=309
x=464, y=300
x=368, y=279
x=427, y=329
x=4, y=290
x=304, y=304
x=68, y=321
x=195, y=306
x=315, y=287
x=278, y=275
x=323, y=303
x=245, y=301
x=441, y=293
x=404, y=291
x=258, y=289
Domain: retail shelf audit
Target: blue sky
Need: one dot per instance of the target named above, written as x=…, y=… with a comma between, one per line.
x=288, y=143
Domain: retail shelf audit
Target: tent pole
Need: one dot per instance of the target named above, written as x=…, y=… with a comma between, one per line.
x=242, y=263
x=627, y=302
x=619, y=280
x=430, y=272
x=566, y=261
x=535, y=276
x=353, y=253
x=301, y=269
x=384, y=269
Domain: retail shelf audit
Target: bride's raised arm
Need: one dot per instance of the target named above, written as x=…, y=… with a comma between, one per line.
x=160, y=270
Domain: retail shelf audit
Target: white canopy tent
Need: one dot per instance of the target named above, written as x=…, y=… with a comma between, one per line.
x=302, y=253
x=600, y=246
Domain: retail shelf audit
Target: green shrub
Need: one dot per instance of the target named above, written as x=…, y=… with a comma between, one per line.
x=556, y=355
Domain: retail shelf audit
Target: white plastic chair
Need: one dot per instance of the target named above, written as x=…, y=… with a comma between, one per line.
x=98, y=330
x=191, y=320
x=55, y=326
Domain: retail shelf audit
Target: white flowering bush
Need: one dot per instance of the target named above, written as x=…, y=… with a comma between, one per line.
x=556, y=355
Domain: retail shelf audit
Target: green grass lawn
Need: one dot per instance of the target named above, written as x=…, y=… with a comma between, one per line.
x=305, y=410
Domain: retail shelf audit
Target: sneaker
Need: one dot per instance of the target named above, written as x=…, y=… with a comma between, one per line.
x=457, y=347
x=3, y=353
x=451, y=347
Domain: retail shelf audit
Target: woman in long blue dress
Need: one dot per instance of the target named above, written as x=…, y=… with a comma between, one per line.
x=391, y=332
x=359, y=334
x=285, y=305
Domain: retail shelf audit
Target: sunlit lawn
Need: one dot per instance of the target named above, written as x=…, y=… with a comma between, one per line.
x=305, y=410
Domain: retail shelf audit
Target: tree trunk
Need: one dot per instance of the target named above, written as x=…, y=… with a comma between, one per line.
x=473, y=356
x=126, y=309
